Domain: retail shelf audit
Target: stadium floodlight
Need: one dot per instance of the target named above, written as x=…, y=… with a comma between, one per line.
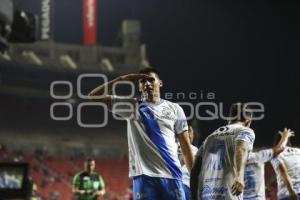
x=107, y=65
x=31, y=57
x=67, y=61
x=144, y=61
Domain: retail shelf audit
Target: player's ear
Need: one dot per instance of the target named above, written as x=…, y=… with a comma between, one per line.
x=160, y=83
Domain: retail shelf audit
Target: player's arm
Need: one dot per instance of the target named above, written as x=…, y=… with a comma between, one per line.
x=287, y=180
x=186, y=149
x=243, y=144
x=101, y=189
x=75, y=186
x=195, y=174
x=240, y=159
x=77, y=191
x=285, y=135
x=107, y=87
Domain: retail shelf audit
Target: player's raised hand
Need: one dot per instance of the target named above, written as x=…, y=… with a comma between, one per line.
x=237, y=186
x=133, y=77
x=286, y=133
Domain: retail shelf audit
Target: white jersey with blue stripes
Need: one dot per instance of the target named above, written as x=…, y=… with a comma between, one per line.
x=290, y=157
x=217, y=170
x=151, y=130
x=255, y=174
x=185, y=171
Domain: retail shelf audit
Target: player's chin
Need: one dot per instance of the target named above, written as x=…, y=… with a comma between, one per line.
x=149, y=92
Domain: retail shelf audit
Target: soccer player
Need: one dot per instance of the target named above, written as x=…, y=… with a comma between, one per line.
x=287, y=168
x=255, y=174
x=220, y=162
x=152, y=124
x=88, y=185
x=185, y=172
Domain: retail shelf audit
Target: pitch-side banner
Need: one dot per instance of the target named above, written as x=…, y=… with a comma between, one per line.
x=45, y=20
x=89, y=22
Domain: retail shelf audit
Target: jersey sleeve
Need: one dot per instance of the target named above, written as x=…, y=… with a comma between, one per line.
x=76, y=180
x=264, y=156
x=276, y=162
x=123, y=107
x=247, y=136
x=181, y=124
x=101, y=183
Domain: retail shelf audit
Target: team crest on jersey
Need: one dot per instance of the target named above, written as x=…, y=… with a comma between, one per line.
x=167, y=113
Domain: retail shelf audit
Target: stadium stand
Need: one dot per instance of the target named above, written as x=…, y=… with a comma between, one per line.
x=53, y=174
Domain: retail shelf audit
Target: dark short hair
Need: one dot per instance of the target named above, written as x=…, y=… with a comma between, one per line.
x=88, y=160
x=149, y=70
x=240, y=112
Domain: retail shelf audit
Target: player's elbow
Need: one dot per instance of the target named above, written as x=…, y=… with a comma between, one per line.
x=277, y=151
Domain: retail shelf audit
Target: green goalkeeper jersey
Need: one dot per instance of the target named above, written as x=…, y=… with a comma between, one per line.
x=88, y=182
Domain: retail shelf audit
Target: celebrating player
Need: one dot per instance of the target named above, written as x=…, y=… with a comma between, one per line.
x=255, y=174
x=152, y=125
x=287, y=168
x=219, y=168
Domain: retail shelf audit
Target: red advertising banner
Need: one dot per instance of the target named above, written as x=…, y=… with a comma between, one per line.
x=89, y=22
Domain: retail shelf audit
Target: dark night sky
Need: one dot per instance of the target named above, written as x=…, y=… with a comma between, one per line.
x=241, y=51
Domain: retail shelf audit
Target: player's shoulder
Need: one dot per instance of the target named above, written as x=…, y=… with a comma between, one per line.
x=247, y=129
x=81, y=173
x=175, y=107
x=78, y=175
x=291, y=150
x=170, y=104
x=240, y=128
x=295, y=148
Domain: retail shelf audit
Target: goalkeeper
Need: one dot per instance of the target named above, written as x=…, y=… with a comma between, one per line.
x=87, y=184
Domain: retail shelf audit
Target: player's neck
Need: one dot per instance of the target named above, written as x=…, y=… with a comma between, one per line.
x=154, y=99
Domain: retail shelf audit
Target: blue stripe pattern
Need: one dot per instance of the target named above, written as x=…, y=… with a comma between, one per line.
x=154, y=133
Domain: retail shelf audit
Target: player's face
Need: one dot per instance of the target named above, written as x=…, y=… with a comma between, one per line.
x=150, y=86
x=90, y=166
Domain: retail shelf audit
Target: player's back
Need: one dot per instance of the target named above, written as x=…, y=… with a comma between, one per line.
x=290, y=157
x=217, y=172
x=255, y=174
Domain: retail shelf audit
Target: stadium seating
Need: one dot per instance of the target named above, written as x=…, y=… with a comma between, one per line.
x=53, y=174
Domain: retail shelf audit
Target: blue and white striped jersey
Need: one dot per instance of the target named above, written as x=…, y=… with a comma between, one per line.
x=255, y=174
x=151, y=130
x=290, y=157
x=217, y=151
x=185, y=171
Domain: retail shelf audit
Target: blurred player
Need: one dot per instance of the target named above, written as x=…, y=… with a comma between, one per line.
x=220, y=163
x=185, y=172
x=287, y=168
x=88, y=185
x=152, y=125
x=255, y=168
